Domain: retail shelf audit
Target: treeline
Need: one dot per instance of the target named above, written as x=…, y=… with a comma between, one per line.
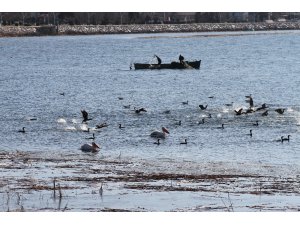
x=117, y=18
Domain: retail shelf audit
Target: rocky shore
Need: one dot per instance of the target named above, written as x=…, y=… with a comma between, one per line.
x=16, y=31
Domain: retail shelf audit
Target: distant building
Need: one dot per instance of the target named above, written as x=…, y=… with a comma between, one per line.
x=239, y=17
x=185, y=17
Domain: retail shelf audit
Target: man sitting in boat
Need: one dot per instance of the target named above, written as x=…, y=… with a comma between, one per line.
x=181, y=58
x=158, y=60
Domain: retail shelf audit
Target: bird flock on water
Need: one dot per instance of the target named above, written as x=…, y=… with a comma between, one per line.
x=263, y=110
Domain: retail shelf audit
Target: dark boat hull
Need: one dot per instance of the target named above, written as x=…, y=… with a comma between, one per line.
x=173, y=65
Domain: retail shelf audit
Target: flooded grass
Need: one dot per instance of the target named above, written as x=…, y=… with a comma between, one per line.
x=33, y=183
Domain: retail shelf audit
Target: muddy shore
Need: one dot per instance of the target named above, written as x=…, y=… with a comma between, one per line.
x=16, y=31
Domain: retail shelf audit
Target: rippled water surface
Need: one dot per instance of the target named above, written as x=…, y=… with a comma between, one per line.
x=93, y=73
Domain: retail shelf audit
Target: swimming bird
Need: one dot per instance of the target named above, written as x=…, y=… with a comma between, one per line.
x=250, y=110
x=250, y=100
x=184, y=143
x=120, y=126
x=239, y=112
x=139, y=110
x=90, y=148
x=263, y=106
x=157, y=143
x=265, y=113
x=63, y=93
x=285, y=139
x=209, y=115
x=256, y=123
x=222, y=127
x=280, y=140
x=88, y=130
x=178, y=123
x=280, y=111
x=202, y=107
x=185, y=103
x=229, y=104
x=91, y=138
x=158, y=134
x=126, y=106
x=202, y=121
x=120, y=98
x=85, y=116
x=211, y=96
x=101, y=125
x=250, y=134
x=22, y=131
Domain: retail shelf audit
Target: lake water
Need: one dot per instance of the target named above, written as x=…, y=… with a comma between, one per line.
x=93, y=72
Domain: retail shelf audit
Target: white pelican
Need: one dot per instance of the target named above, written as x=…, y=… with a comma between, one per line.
x=158, y=134
x=90, y=148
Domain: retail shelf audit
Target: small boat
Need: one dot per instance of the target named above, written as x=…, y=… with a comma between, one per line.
x=172, y=65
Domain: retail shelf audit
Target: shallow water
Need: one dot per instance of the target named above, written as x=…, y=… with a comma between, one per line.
x=93, y=72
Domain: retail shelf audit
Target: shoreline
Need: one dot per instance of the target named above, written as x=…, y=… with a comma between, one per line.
x=21, y=31
x=36, y=181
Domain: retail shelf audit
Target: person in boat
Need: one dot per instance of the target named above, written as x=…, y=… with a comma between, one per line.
x=158, y=60
x=181, y=58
